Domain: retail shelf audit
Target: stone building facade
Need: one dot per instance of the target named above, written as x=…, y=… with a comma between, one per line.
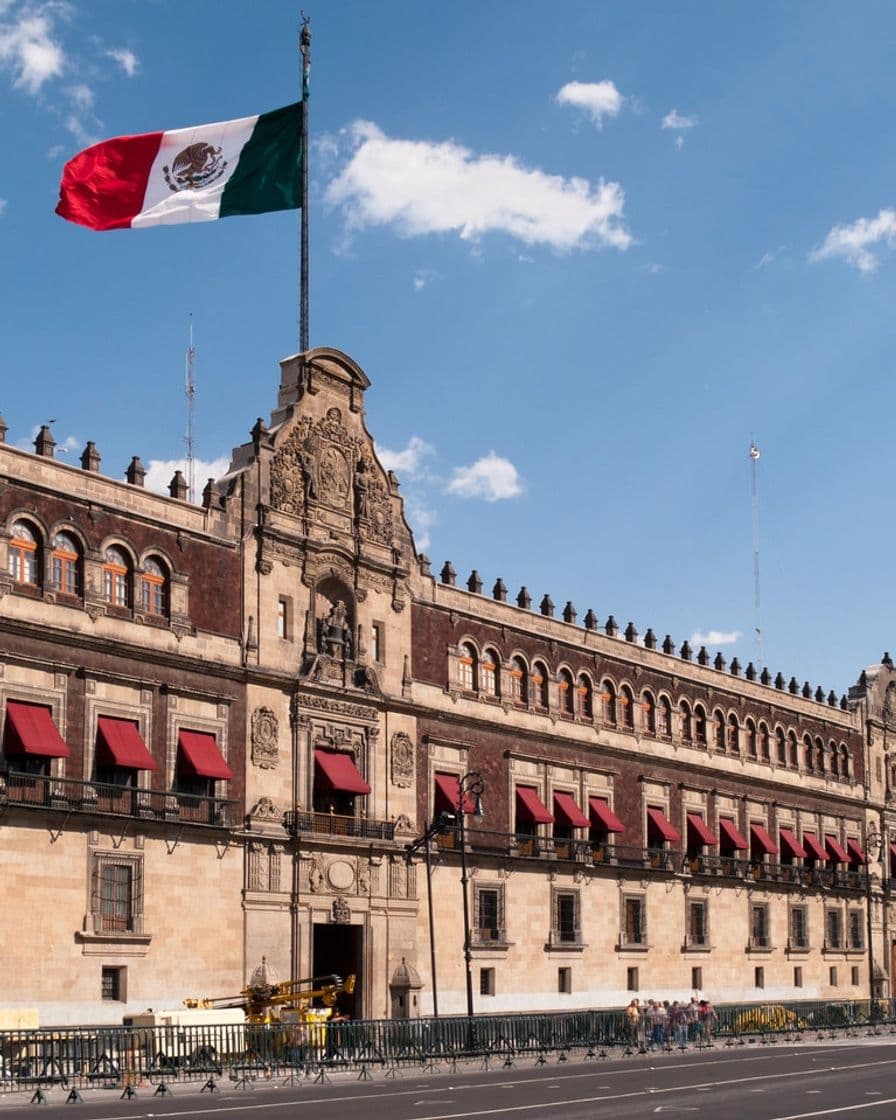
x=222, y=727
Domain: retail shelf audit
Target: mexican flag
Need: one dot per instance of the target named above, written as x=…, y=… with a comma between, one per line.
x=249, y=166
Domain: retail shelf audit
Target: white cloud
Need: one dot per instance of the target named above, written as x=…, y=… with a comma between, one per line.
x=422, y=277
x=408, y=462
x=853, y=243
x=27, y=46
x=674, y=119
x=715, y=638
x=421, y=519
x=597, y=99
x=492, y=478
x=160, y=472
x=126, y=59
x=679, y=143
x=3, y=205
x=418, y=187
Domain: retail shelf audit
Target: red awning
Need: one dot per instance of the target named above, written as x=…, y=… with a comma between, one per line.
x=855, y=850
x=763, y=839
x=119, y=744
x=30, y=730
x=893, y=850
x=836, y=851
x=566, y=809
x=790, y=842
x=338, y=771
x=729, y=829
x=448, y=794
x=697, y=823
x=601, y=809
x=816, y=848
x=200, y=756
x=529, y=806
x=665, y=827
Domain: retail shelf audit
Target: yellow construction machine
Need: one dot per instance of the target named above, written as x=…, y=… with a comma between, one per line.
x=287, y=1001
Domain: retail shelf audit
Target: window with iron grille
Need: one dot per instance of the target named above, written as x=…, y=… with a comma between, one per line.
x=487, y=981
x=566, y=924
x=634, y=920
x=564, y=981
x=489, y=911
x=117, y=894
x=799, y=927
x=759, y=931
x=833, y=925
x=856, y=930
x=112, y=983
x=698, y=925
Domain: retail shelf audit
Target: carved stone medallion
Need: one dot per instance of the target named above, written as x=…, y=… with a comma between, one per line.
x=402, y=760
x=265, y=735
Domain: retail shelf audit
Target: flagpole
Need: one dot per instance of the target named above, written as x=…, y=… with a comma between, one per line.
x=305, y=48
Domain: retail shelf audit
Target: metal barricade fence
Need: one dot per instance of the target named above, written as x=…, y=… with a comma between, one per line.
x=78, y=1057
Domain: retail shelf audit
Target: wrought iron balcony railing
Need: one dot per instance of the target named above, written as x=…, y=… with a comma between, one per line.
x=300, y=821
x=71, y=795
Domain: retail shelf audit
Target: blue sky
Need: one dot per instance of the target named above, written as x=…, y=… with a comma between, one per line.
x=584, y=251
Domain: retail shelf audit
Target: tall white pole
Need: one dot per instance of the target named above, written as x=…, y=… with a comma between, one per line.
x=757, y=598
x=190, y=441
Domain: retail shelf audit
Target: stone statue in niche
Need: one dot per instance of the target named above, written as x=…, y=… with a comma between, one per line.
x=335, y=638
x=402, y=760
x=362, y=490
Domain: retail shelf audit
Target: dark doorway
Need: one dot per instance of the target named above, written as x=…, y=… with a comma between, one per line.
x=337, y=949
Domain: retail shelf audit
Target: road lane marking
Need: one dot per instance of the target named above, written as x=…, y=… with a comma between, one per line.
x=833, y=1111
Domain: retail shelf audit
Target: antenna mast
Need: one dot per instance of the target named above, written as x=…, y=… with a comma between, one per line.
x=190, y=390
x=757, y=599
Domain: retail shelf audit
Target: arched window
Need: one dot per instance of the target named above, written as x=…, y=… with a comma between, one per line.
x=66, y=564
x=519, y=681
x=718, y=730
x=488, y=673
x=819, y=756
x=585, y=697
x=750, y=729
x=763, y=742
x=540, y=684
x=781, y=746
x=116, y=577
x=808, y=753
x=700, y=725
x=793, y=750
x=844, y=761
x=733, y=734
x=567, y=696
x=608, y=703
x=466, y=667
x=834, y=756
x=24, y=552
x=154, y=588
x=627, y=703
x=648, y=707
x=664, y=717
x=687, y=723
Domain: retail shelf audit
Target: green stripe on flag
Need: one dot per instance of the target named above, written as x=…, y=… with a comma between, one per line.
x=268, y=175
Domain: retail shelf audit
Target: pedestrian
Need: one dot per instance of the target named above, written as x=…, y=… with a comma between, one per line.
x=678, y=1026
x=708, y=1021
x=692, y=1018
x=633, y=1022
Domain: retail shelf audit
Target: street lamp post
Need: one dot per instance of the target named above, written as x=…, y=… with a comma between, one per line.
x=440, y=824
x=470, y=785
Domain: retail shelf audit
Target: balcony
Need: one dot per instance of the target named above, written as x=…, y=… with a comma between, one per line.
x=303, y=821
x=98, y=799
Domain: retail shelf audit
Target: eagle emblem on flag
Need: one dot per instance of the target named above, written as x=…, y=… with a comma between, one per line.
x=197, y=166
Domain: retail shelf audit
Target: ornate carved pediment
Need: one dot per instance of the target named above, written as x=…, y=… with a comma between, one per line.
x=315, y=465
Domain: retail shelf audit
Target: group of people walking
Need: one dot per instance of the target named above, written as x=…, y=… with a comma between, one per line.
x=655, y=1025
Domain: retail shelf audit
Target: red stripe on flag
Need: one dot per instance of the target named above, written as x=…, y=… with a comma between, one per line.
x=103, y=187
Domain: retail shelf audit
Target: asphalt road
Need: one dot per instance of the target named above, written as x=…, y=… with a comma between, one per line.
x=792, y=1082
